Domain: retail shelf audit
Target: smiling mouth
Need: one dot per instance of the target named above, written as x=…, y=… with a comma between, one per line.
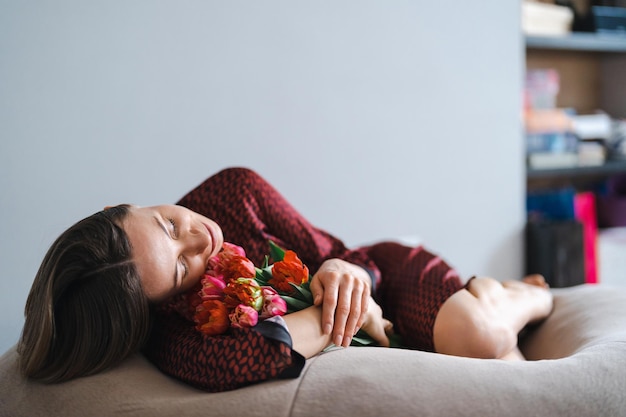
x=211, y=238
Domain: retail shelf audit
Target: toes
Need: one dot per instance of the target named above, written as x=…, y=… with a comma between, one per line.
x=537, y=280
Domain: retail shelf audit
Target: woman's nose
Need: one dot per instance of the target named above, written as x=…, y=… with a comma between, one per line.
x=196, y=239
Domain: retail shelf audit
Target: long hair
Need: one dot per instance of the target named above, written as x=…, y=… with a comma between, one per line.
x=86, y=310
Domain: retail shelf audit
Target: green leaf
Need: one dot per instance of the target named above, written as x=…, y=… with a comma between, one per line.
x=276, y=252
x=361, y=338
x=263, y=275
x=361, y=341
x=395, y=341
x=305, y=293
x=294, y=304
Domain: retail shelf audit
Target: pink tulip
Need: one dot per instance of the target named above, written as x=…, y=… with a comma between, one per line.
x=244, y=316
x=233, y=249
x=273, y=304
x=212, y=287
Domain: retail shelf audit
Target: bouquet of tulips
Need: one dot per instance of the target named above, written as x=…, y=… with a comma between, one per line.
x=235, y=293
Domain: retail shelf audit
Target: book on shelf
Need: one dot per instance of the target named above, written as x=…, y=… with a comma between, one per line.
x=550, y=142
x=552, y=160
x=585, y=212
x=559, y=138
x=587, y=154
x=548, y=120
x=591, y=153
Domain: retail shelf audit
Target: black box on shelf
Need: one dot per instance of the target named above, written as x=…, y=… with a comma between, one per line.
x=609, y=20
x=554, y=248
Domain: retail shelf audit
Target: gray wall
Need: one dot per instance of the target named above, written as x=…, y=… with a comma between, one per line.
x=376, y=119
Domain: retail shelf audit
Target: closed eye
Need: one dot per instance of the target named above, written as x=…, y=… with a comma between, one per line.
x=185, y=267
x=174, y=227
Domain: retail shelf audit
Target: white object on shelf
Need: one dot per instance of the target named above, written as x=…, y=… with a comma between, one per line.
x=546, y=19
x=612, y=256
x=592, y=126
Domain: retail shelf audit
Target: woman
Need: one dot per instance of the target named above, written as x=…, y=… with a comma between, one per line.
x=102, y=293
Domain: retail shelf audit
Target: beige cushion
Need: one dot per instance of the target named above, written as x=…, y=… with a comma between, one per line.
x=584, y=374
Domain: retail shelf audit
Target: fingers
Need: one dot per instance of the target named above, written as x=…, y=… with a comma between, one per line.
x=349, y=313
x=380, y=332
x=365, y=298
x=388, y=326
x=329, y=305
x=351, y=318
x=381, y=338
x=317, y=289
x=344, y=298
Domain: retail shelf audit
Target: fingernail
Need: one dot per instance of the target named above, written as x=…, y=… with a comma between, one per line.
x=327, y=328
x=338, y=340
x=347, y=341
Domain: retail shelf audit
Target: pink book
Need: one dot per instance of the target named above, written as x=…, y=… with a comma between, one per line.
x=585, y=212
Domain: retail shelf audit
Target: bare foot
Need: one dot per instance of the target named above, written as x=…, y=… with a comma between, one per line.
x=537, y=291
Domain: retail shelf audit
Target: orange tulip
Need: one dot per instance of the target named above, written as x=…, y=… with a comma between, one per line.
x=289, y=271
x=232, y=263
x=212, y=317
x=244, y=291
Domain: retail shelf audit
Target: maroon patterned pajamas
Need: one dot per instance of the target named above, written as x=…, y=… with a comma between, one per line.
x=410, y=284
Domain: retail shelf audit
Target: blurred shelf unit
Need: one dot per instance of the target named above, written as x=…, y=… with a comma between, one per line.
x=592, y=73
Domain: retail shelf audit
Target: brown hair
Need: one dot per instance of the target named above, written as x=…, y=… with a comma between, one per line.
x=86, y=310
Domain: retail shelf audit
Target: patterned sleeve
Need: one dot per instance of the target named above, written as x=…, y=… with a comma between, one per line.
x=235, y=359
x=251, y=212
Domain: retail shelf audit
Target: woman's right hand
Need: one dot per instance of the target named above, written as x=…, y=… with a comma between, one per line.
x=377, y=327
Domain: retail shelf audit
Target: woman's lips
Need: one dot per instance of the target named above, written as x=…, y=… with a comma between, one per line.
x=210, y=233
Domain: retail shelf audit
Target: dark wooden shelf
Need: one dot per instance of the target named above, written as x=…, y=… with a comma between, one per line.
x=579, y=41
x=608, y=168
x=581, y=178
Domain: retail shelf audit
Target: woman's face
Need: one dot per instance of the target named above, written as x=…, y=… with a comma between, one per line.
x=171, y=247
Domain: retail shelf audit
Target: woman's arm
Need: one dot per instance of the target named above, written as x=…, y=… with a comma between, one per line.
x=305, y=327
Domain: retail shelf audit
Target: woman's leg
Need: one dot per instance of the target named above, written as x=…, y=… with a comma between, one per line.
x=415, y=284
x=483, y=320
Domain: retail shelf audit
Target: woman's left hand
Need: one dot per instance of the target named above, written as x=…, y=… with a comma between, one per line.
x=343, y=290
